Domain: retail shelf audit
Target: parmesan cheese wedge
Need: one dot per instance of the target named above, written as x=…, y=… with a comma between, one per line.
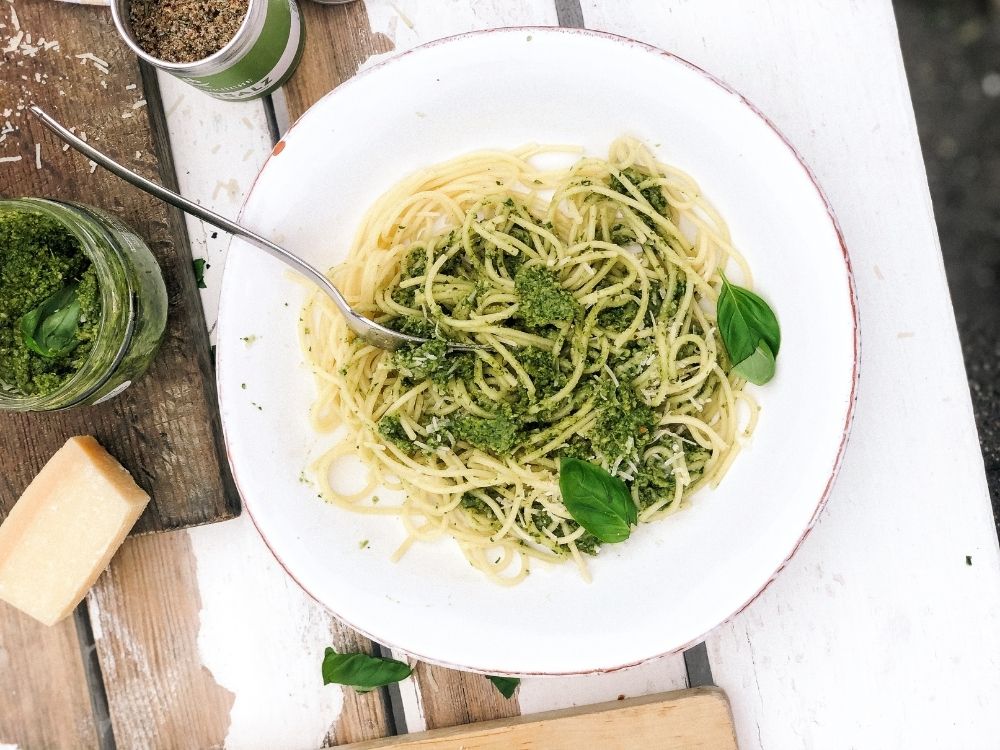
x=65, y=528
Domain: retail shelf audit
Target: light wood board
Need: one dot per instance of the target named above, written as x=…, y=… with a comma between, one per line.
x=697, y=719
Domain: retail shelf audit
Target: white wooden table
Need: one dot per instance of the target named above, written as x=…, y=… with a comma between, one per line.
x=882, y=632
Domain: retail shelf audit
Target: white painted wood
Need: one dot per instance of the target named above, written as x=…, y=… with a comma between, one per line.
x=877, y=634
x=879, y=597
x=249, y=605
x=218, y=148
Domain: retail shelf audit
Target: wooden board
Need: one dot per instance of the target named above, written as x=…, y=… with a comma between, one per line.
x=165, y=428
x=43, y=690
x=697, y=719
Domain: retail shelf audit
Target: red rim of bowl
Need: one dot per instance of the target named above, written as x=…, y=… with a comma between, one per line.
x=848, y=419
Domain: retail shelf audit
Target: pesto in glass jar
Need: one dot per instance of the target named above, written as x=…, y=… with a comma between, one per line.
x=83, y=306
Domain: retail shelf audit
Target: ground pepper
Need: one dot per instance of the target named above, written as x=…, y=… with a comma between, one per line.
x=39, y=257
x=185, y=31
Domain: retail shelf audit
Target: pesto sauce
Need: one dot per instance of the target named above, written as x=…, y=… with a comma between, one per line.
x=542, y=301
x=625, y=424
x=39, y=257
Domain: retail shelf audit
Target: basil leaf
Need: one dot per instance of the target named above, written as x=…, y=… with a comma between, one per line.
x=199, y=265
x=597, y=501
x=50, y=329
x=361, y=671
x=745, y=323
x=506, y=685
x=758, y=367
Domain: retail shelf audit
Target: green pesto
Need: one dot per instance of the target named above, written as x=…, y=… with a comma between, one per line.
x=625, y=424
x=392, y=430
x=498, y=434
x=652, y=193
x=38, y=258
x=542, y=301
x=465, y=285
x=432, y=361
x=543, y=368
x=472, y=503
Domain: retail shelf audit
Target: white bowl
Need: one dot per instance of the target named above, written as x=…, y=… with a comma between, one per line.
x=671, y=581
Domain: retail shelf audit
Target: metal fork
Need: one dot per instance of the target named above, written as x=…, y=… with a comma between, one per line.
x=368, y=330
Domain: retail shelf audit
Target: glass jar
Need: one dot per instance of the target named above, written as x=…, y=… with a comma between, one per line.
x=133, y=307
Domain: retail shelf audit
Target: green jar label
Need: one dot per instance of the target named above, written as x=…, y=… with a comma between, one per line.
x=266, y=64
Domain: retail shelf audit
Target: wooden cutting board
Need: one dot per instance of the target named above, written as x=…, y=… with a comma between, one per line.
x=165, y=428
x=696, y=719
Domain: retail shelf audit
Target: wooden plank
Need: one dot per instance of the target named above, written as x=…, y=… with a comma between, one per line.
x=164, y=428
x=341, y=40
x=880, y=594
x=145, y=628
x=43, y=689
x=697, y=719
x=226, y=598
x=449, y=698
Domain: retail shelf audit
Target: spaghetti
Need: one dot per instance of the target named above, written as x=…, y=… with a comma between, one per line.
x=591, y=291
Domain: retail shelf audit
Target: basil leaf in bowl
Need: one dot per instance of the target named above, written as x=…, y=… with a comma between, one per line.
x=597, y=501
x=750, y=332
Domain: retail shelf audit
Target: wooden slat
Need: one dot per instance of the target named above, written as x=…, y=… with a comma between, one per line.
x=165, y=427
x=339, y=41
x=449, y=698
x=697, y=719
x=145, y=612
x=43, y=690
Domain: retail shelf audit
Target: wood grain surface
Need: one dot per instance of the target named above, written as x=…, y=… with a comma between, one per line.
x=44, y=701
x=165, y=428
x=449, y=698
x=145, y=613
x=697, y=719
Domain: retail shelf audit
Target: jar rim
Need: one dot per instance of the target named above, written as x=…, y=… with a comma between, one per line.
x=67, y=214
x=120, y=15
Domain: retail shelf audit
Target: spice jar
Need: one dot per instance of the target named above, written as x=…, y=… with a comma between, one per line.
x=132, y=303
x=260, y=56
